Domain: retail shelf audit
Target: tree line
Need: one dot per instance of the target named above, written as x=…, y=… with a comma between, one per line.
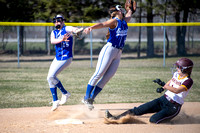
x=91, y=10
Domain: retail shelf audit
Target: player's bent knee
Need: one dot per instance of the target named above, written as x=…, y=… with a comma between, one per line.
x=49, y=79
x=52, y=80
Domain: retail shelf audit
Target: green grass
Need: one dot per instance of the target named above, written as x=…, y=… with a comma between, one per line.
x=27, y=86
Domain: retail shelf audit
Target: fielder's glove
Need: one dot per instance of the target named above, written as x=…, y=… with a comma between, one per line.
x=78, y=33
x=158, y=81
x=130, y=5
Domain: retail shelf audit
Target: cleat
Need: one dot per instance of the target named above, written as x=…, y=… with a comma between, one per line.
x=64, y=98
x=89, y=103
x=55, y=105
x=109, y=115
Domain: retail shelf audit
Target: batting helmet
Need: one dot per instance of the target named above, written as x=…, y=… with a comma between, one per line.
x=185, y=65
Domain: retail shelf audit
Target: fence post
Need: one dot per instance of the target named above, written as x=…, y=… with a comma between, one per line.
x=164, y=47
x=91, y=49
x=47, y=41
x=18, y=44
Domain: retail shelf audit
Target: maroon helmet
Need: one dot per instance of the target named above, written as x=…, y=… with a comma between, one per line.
x=185, y=65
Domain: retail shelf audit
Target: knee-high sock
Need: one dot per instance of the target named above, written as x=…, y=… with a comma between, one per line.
x=54, y=93
x=88, y=91
x=95, y=92
x=128, y=112
x=62, y=89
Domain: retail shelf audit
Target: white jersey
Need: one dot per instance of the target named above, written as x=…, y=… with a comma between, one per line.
x=176, y=81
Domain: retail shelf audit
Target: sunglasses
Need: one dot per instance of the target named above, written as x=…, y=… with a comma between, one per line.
x=57, y=20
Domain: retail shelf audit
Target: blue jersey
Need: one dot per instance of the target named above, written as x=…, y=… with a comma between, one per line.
x=63, y=49
x=118, y=34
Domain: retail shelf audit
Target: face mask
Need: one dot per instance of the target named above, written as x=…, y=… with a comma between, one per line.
x=173, y=69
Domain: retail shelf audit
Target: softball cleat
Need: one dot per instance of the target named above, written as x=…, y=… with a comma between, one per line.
x=89, y=103
x=109, y=115
x=64, y=98
x=55, y=105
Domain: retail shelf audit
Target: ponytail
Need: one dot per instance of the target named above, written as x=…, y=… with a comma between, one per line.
x=108, y=34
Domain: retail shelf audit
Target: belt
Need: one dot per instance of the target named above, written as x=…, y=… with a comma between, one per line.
x=170, y=100
x=117, y=47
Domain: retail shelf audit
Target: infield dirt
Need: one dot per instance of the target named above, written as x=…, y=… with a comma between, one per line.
x=42, y=120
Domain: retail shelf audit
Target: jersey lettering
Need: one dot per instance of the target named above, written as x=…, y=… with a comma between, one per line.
x=63, y=49
x=176, y=82
x=118, y=34
x=121, y=32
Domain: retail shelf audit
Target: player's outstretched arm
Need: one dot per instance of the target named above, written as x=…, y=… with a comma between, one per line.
x=110, y=23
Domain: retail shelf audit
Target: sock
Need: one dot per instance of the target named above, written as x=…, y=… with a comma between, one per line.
x=54, y=93
x=88, y=91
x=95, y=92
x=128, y=112
x=62, y=89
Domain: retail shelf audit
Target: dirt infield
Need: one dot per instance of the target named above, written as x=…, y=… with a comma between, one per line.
x=42, y=120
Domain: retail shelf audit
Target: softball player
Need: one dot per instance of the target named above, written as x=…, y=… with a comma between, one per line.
x=168, y=105
x=109, y=57
x=63, y=41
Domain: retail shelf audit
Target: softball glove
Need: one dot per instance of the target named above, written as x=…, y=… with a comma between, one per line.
x=130, y=5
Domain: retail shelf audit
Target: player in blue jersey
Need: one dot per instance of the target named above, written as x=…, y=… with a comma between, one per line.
x=63, y=40
x=109, y=57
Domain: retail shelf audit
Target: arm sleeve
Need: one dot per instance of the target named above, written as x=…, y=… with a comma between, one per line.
x=187, y=83
x=70, y=28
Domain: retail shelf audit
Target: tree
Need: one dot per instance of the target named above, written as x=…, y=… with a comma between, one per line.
x=4, y=35
x=19, y=11
x=182, y=8
x=181, y=30
x=164, y=16
x=150, y=9
x=74, y=11
x=150, y=36
x=139, y=37
x=45, y=10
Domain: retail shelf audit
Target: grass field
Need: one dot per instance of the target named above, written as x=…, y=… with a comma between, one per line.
x=27, y=86
x=37, y=47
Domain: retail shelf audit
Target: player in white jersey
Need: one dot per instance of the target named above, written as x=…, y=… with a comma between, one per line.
x=63, y=41
x=169, y=105
x=109, y=57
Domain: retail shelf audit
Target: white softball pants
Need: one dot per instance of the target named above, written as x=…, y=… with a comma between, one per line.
x=108, y=62
x=56, y=67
